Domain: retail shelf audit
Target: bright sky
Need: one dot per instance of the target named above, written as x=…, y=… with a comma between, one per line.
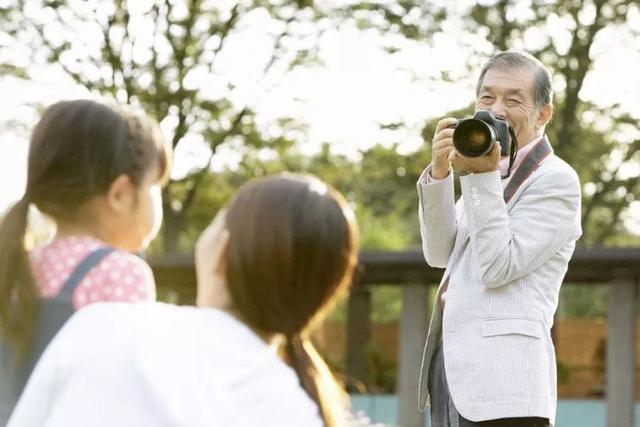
x=357, y=86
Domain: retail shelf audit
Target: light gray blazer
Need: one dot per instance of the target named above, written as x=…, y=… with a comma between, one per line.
x=505, y=265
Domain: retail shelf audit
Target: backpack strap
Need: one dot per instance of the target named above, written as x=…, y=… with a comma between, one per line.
x=81, y=271
x=529, y=164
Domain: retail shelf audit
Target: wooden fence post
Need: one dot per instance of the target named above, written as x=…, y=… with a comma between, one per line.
x=620, y=365
x=413, y=331
x=358, y=338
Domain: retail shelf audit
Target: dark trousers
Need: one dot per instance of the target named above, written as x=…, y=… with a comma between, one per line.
x=444, y=413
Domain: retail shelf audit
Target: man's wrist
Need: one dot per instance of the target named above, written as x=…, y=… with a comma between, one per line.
x=475, y=172
x=464, y=173
x=486, y=170
x=438, y=176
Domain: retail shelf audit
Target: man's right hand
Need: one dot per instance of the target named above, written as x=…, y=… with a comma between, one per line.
x=441, y=148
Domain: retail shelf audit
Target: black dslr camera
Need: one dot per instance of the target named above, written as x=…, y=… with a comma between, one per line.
x=475, y=136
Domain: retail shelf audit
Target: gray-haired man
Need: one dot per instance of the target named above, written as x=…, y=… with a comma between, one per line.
x=489, y=359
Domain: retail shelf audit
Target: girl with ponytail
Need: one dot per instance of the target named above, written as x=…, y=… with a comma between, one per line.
x=268, y=266
x=96, y=170
x=292, y=248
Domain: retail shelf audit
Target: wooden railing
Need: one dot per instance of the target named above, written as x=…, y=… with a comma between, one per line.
x=620, y=268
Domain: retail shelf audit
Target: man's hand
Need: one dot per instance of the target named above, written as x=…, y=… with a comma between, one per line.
x=487, y=163
x=441, y=148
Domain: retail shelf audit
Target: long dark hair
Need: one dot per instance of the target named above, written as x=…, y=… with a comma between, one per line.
x=77, y=149
x=292, y=248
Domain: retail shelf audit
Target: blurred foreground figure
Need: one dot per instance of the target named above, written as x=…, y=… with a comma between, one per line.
x=267, y=266
x=97, y=171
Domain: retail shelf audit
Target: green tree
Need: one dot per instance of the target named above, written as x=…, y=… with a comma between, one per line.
x=164, y=56
x=158, y=53
x=576, y=131
x=595, y=154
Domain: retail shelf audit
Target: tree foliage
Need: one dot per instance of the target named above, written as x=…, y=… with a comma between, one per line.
x=596, y=154
x=167, y=57
x=598, y=142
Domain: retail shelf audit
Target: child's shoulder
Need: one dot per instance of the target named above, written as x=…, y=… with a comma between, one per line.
x=66, y=253
x=119, y=276
x=119, y=264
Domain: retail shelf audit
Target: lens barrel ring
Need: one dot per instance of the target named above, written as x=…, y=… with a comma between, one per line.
x=473, y=137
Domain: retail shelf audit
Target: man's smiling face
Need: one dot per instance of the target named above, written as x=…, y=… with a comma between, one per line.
x=509, y=94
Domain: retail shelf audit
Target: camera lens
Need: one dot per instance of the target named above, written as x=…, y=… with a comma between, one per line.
x=476, y=138
x=473, y=138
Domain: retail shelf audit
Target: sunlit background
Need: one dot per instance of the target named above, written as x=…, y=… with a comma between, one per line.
x=349, y=91
x=357, y=78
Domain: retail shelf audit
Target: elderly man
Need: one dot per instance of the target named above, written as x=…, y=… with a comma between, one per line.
x=488, y=358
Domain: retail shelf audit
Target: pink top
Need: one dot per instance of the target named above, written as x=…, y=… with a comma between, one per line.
x=120, y=276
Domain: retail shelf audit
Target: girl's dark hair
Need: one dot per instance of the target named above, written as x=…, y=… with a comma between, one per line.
x=77, y=149
x=292, y=247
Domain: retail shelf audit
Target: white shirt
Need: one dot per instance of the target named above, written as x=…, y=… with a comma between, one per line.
x=161, y=365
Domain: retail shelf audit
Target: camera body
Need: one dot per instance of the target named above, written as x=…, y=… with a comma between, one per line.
x=475, y=136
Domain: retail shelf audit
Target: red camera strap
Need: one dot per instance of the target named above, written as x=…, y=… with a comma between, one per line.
x=529, y=164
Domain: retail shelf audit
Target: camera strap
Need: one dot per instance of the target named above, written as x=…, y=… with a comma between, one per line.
x=529, y=164
x=513, y=152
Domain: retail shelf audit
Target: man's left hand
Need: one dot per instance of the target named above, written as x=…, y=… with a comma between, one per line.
x=486, y=163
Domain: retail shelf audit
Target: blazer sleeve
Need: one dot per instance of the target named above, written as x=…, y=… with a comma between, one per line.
x=508, y=245
x=437, y=215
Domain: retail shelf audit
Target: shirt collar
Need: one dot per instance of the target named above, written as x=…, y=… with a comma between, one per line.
x=522, y=152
